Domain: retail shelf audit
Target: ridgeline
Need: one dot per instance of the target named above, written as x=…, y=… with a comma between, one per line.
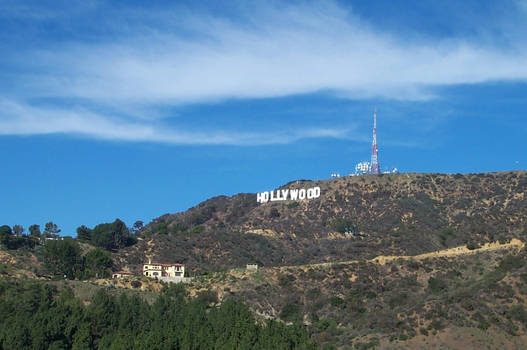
x=393, y=261
x=355, y=218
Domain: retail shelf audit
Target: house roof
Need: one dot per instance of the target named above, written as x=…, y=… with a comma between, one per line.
x=160, y=264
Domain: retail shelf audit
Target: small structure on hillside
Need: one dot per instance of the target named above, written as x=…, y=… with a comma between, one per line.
x=154, y=269
x=121, y=274
x=252, y=267
x=362, y=168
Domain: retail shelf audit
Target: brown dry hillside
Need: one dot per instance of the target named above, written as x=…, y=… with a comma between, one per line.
x=395, y=214
x=451, y=299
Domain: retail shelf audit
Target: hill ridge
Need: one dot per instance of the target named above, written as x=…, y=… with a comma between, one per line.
x=355, y=217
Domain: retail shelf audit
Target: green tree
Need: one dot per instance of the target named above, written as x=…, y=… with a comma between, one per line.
x=82, y=339
x=103, y=314
x=83, y=233
x=18, y=230
x=97, y=263
x=5, y=230
x=51, y=229
x=138, y=225
x=110, y=236
x=34, y=230
x=5, y=234
x=62, y=257
x=33, y=315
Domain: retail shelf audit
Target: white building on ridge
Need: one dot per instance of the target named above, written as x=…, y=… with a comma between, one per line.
x=154, y=269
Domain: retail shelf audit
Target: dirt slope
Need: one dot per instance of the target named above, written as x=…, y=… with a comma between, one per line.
x=451, y=299
x=396, y=214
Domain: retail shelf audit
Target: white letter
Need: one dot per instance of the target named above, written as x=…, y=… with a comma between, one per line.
x=273, y=197
x=284, y=194
x=310, y=193
x=317, y=192
x=262, y=197
x=294, y=195
x=302, y=194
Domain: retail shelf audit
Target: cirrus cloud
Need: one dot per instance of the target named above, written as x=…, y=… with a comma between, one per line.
x=176, y=57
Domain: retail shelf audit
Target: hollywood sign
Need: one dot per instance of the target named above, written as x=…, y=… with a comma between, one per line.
x=288, y=194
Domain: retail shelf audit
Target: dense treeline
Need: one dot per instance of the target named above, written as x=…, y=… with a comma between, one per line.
x=34, y=315
x=16, y=237
x=61, y=256
x=13, y=241
x=64, y=258
x=109, y=236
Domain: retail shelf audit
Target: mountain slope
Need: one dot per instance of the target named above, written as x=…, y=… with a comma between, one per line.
x=393, y=214
x=455, y=298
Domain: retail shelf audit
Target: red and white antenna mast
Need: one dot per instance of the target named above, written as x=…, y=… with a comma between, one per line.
x=375, y=169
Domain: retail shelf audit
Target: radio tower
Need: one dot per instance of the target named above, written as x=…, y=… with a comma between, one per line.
x=375, y=169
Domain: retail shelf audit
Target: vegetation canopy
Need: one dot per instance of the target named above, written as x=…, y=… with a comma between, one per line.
x=34, y=315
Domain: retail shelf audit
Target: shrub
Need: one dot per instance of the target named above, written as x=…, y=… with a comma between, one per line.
x=511, y=262
x=483, y=325
x=436, y=284
x=136, y=284
x=345, y=226
x=518, y=313
x=285, y=280
x=178, y=227
x=326, y=325
x=197, y=219
x=436, y=325
x=208, y=297
x=371, y=344
x=197, y=229
x=414, y=265
x=398, y=300
x=290, y=312
x=369, y=294
x=313, y=293
x=162, y=228
x=274, y=213
x=293, y=205
x=336, y=301
x=446, y=233
x=472, y=245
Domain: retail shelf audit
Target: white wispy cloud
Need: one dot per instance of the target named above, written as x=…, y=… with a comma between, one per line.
x=284, y=51
x=180, y=57
x=21, y=119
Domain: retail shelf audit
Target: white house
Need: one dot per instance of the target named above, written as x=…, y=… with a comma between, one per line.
x=154, y=269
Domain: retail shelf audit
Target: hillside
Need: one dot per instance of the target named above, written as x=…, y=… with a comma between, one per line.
x=399, y=261
x=451, y=299
x=455, y=298
x=391, y=214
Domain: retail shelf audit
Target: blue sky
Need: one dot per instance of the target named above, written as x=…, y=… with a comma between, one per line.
x=117, y=109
